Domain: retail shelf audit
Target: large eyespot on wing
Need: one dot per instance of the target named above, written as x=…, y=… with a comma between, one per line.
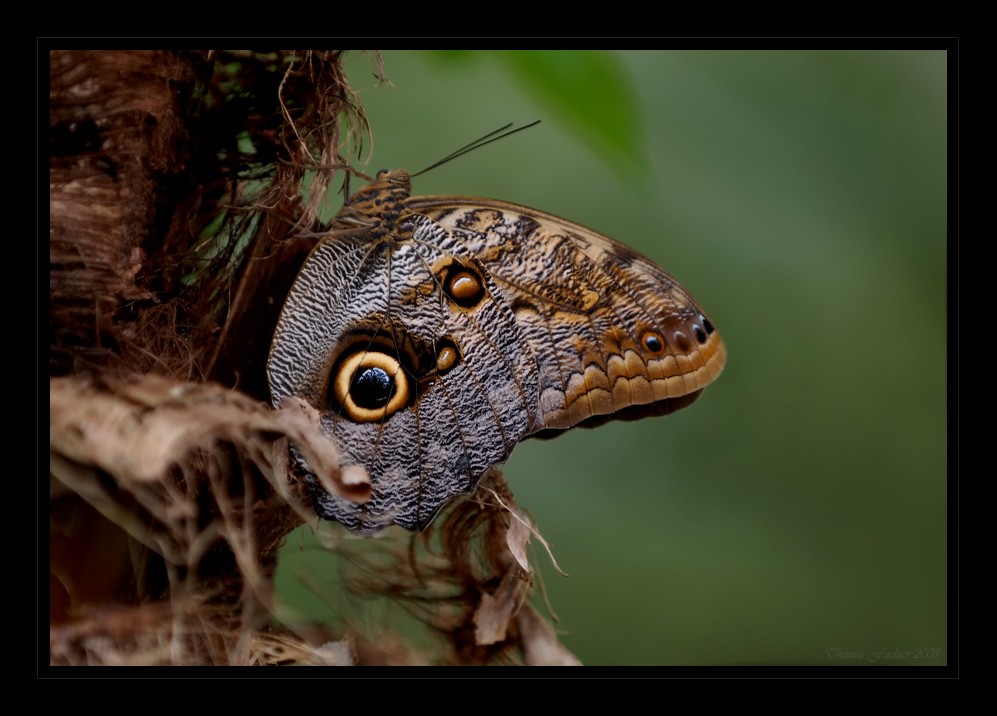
x=616, y=337
x=368, y=385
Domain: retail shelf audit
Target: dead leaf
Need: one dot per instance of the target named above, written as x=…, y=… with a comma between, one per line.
x=540, y=645
x=496, y=611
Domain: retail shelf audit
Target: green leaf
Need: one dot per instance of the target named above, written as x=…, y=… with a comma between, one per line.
x=591, y=92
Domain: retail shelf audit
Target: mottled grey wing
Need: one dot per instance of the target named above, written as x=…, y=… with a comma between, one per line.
x=470, y=376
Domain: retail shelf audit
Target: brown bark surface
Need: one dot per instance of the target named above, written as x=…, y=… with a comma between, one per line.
x=166, y=273
x=117, y=149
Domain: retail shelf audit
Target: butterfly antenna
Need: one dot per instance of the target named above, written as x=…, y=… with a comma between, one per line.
x=478, y=143
x=468, y=147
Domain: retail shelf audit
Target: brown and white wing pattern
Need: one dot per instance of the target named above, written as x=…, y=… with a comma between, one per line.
x=614, y=334
x=433, y=334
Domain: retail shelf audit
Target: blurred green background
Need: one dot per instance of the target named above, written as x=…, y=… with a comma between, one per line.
x=799, y=507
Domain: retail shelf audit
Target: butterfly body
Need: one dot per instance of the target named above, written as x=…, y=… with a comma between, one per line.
x=435, y=333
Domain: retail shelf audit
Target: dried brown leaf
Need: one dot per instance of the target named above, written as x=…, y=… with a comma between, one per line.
x=518, y=536
x=350, y=481
x=496, y=611
x=139, y=427
x=540, y=644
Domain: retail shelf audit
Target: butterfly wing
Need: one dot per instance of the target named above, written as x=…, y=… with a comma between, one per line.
x=615, y=336
x=435, y=333
x=418, y=374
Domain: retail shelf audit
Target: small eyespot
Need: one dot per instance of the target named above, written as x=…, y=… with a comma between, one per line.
x=653, y=342
x=700, y=334
x=447, y=356
x=463, y=286
x=369, y=385
x=681, y=341
x=706, y=324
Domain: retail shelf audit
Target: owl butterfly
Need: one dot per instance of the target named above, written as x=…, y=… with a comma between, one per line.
x=433, y=333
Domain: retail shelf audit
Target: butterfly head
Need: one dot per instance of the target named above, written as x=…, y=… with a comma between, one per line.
x=377, y=205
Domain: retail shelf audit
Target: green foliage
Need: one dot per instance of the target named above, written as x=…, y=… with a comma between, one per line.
x=589, y=91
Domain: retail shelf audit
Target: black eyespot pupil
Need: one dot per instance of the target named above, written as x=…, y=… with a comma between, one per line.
x=707, y=325
x=372, y=388
x=653, y=343
x=700, y=335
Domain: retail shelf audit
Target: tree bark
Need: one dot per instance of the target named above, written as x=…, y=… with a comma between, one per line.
x=118, y=146
x=167, y=271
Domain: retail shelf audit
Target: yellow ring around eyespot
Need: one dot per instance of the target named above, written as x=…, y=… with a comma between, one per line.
x=370, y=359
